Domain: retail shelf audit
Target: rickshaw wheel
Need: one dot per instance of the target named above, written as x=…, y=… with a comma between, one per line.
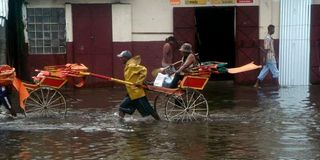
x=160, y=104
x=46, y=102
x=190, y=106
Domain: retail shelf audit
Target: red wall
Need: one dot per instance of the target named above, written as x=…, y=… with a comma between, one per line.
x=117, y=64
x=150, y=52
x=247, y=41
x=315, y=45
x=39, y=61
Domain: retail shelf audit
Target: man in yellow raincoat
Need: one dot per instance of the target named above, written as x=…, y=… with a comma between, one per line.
x=136, y=98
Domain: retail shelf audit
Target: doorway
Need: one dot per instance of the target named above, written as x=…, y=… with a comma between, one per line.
x=92, y=35
x=215, y=36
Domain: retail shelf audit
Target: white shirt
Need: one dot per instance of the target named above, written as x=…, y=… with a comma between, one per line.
x=268, y=45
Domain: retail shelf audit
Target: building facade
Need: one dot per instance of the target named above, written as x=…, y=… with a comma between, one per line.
x=93, y=32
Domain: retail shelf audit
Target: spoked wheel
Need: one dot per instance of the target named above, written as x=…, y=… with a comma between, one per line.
x=189, y=106
x=46, y=102
x=160, y=104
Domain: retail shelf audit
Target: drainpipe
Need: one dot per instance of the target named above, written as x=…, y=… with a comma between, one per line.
x=3, y=57
x=4, y=9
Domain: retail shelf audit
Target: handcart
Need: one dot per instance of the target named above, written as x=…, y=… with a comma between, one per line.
x=45, y=99
x=187, y=103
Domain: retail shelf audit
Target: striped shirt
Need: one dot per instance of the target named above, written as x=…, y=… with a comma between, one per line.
x=268, y=45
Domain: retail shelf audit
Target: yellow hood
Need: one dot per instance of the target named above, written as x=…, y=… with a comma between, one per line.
x=135, y=73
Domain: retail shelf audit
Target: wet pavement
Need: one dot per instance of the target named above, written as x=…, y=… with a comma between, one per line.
x=244, y=123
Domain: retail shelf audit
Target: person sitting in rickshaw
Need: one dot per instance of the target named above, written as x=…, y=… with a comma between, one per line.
x=189, y=61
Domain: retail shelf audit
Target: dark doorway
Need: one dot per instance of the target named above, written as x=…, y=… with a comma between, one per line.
x=216, y=36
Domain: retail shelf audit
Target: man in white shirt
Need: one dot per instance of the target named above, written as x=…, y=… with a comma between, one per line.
x=269, y=60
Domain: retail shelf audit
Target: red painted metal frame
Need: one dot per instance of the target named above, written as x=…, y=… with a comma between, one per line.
x=53, y=82
x=194, y=82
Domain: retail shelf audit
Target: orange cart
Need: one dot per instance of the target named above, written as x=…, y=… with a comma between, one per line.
x=45, y=99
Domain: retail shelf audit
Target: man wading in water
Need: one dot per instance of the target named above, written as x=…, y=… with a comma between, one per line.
x=136, y=98
x=269, y=61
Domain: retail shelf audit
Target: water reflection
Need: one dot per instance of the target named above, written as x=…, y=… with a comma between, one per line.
x=244, y=123
x=296, y=128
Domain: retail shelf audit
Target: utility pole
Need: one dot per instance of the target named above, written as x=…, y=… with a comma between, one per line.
x=3, y=46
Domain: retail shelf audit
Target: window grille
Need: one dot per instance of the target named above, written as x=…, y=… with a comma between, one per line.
x=46, y=30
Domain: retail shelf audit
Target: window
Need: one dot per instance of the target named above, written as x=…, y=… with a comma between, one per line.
x=46, y=30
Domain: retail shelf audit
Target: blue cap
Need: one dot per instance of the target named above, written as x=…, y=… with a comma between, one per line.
x=125, y=54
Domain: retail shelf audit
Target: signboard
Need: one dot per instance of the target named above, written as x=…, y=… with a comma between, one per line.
x=222, y=1
x=196, y=1
x=175, y=2
x=244, y=1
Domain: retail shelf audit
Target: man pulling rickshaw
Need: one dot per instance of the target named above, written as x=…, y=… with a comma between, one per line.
x=136, y=98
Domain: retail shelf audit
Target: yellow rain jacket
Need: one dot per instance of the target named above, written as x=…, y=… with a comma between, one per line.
x=135, y=73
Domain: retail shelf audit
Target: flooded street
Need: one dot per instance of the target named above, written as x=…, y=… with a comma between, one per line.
x=244, y=123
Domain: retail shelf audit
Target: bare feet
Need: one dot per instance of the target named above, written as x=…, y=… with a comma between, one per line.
x=257, y=84
x=121, y=114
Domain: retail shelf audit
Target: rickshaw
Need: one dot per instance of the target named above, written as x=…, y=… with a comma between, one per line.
x=185, y=103
x=43, y=97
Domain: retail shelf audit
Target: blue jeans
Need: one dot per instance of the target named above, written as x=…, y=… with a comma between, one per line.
x=141, y=104
x=177, y=77
x=5, y=100
x=265, y=69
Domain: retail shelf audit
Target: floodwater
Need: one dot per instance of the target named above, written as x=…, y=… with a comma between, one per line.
x=244, y=123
